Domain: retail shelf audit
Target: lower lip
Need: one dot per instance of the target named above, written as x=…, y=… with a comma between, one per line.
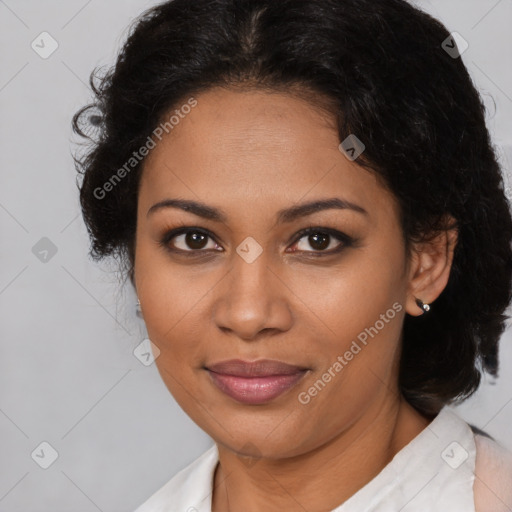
x=255, y=390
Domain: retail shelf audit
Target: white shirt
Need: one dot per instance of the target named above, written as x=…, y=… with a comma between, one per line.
x=434, y=472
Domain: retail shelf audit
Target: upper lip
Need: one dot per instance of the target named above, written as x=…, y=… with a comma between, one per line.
x=260, y=368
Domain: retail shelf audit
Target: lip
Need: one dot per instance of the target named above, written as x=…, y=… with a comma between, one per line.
x=254, y=382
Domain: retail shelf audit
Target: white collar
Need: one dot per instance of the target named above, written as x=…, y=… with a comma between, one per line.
x=435, y=471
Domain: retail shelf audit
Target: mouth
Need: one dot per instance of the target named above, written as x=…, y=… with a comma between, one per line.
x=255, y=382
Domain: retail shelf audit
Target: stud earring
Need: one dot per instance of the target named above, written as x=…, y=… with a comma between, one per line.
x=424, y=307
x=138, y=310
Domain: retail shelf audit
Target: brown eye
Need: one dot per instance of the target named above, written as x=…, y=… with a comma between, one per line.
x=321, y=240
x=195, y=240
x=189, y=240
x=318, y=241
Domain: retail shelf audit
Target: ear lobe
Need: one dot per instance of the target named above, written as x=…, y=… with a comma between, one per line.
x=431, y=262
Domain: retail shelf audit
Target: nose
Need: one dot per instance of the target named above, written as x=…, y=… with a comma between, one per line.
x=253, y=301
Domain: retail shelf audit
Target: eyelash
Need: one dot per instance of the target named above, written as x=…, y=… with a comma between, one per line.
x=345, y=240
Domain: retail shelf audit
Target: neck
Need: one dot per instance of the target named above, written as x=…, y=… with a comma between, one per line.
x=323, y=478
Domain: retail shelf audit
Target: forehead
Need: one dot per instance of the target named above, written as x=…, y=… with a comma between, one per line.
x=255, y=146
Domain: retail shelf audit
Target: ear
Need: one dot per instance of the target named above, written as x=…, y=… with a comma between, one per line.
x=429, y=267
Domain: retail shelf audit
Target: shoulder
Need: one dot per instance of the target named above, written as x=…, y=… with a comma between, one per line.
x=190, y=489
x=493, y=476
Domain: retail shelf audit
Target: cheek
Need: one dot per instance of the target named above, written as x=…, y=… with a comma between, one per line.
x=357, y=358
x=164, y=292
x=174, y=315
x=345, y=300
x=359, y=313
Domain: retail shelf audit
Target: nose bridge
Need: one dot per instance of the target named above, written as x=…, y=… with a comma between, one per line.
x=250, y=272
x=250, y=300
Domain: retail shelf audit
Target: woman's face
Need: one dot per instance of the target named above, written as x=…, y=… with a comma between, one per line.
x=250, y=286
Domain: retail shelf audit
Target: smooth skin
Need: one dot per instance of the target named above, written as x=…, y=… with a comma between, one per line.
x=251, y=154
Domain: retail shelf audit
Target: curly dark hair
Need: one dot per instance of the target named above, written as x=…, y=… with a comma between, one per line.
x=379, y=68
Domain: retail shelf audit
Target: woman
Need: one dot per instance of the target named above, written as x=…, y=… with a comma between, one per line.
x=306, y=200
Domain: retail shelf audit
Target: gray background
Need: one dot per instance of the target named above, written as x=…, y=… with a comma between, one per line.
x=68, y=375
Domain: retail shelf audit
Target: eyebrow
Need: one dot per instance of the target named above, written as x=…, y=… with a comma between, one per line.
x=283, y=216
